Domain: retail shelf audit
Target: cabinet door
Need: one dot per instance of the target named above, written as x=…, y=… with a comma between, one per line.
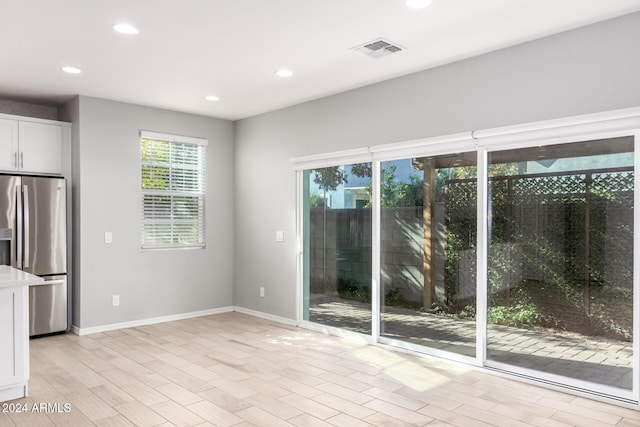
x=13, y=336
x=8, y=144
x=40, y=148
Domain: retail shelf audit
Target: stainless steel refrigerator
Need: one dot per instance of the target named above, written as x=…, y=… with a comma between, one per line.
x=33, y=219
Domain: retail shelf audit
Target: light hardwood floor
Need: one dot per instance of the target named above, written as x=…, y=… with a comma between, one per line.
x=237, y=370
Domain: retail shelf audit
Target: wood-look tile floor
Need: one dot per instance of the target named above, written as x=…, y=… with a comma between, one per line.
x=237, y=370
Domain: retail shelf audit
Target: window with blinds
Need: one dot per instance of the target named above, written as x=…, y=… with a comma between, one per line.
x=173, y=191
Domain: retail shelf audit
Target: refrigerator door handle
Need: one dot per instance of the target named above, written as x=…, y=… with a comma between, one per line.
x=19, y=227
x=25, y=195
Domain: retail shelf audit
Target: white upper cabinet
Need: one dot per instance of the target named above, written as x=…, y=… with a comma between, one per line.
x=8, y=145
x=31, y=146
x=40, y=148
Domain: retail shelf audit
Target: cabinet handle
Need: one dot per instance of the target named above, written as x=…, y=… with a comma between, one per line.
x=15, y=159
x=21, y=160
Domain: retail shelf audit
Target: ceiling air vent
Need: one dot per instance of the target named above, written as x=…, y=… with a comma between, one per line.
x=378, y=48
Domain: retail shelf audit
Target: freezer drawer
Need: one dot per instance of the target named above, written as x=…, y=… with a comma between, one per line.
x=48, y=306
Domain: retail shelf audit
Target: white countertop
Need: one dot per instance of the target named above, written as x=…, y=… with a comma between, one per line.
x=11, y=277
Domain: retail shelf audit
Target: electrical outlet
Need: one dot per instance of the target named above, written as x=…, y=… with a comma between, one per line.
x=116, y=300
x=108, y=237
x=261, y=291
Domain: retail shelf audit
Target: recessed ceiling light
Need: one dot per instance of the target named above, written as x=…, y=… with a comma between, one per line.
x=212, y=98
x=71, y=70
x=418, y=4
x=126, y=29
x=284, y=73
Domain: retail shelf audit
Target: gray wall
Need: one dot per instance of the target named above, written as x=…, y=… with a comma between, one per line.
x=106, y=162
x=587, y=70
x=70, y=112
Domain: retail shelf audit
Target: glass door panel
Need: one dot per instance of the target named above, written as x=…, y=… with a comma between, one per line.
x=560, y=260
x=428, y=251
x=337, y=240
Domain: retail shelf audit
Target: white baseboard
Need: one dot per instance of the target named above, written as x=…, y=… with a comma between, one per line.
x=145, y=322
x=163, y=319
x=265, y=316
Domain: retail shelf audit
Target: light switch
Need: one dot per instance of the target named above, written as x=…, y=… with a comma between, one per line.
x=279, y=236
x=108, y=237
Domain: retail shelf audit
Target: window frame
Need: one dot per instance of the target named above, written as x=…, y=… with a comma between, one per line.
x=148, y=244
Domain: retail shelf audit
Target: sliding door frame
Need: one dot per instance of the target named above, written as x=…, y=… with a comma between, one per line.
x=453, y=144
x=375, y=251
x=561, y=131
x=301, y=164
x=485, y=148
x=482, y=256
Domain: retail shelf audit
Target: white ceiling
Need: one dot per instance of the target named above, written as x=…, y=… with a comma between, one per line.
x=231, y=48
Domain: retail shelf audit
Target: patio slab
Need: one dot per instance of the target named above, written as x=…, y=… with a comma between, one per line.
x=594, y=359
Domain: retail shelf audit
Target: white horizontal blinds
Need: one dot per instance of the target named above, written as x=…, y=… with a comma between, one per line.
x=173, y=192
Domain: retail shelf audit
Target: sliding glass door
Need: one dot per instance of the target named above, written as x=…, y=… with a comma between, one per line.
x=337, y=244
x=519, y=260
x=428, y=251
x=560, y=260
